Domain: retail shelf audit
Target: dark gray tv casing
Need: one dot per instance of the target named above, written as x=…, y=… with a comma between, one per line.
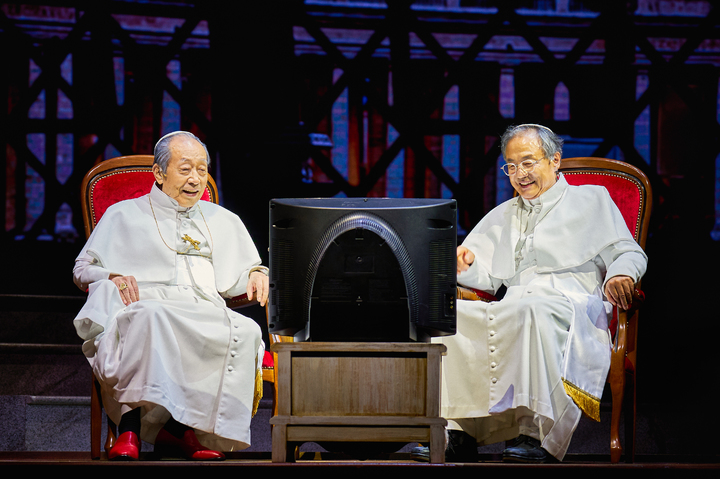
x=363, y=269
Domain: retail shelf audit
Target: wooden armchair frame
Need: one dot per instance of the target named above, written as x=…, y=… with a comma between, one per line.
x=636, y=206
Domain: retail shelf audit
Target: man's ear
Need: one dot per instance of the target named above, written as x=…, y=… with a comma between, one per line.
x=556, y=162
x=157, y=172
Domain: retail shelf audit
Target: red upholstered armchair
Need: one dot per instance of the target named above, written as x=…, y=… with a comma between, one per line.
x=118, y=179
x=630, y=190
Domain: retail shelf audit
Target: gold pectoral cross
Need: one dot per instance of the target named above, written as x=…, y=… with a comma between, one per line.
x=195, y=244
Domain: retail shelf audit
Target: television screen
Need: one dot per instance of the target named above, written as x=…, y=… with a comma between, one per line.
x=362, y=269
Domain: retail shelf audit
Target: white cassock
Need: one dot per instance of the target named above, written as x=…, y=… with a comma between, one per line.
x=179, y=351
x=531, y=362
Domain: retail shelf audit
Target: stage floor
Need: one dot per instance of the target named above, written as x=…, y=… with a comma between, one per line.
x=321, y=463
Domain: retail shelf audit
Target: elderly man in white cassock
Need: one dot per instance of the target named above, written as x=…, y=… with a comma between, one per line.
x=177, y=368
x=523, y=368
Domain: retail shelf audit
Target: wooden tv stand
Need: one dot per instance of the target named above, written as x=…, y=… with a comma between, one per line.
x=358, y=392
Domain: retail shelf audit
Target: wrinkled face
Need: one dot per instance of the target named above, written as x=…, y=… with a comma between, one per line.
x=531, y=184
x=187, y=172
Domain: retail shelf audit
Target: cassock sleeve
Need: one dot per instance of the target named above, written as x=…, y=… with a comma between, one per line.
x=477, y=277
x=624, y=258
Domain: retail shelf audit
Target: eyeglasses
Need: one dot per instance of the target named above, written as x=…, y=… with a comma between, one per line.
x=527, y=166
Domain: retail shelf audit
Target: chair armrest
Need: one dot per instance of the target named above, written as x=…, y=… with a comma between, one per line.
x=470, y=294
x=637, y=301
x=239, y=301
x=623, y=325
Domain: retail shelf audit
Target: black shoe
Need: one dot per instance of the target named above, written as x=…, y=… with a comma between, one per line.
x=461, y=447
x=420, y=453
x=525, y=449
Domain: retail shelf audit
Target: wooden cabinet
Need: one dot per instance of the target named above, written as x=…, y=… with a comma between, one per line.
x=358, y=392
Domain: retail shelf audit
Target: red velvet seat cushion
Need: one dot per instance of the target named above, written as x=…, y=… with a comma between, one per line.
x=624, y=192
x=123, y=185
x=626, y=195
x=268, y=360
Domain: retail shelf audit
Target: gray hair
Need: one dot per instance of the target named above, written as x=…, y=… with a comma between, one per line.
x=549, y=141
x=162, y=148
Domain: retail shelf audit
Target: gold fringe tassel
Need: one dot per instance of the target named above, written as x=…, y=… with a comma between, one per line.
x=258, y=390
x=588, y=403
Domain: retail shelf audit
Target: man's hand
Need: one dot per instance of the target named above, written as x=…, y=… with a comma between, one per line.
x=128, y=288
x=619, y=291
x=465, y=258
x=259, y=285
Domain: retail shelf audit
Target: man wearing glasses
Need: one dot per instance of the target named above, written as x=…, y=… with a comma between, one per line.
x=523, y=367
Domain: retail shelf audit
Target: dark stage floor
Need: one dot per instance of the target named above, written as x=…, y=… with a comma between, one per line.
x=326, y=463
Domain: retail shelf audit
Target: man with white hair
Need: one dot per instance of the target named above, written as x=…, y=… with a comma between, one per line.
x=177, y=368
x=523, y=368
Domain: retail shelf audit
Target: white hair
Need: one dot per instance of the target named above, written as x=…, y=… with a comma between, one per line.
x=549, y=141
x=162, y=148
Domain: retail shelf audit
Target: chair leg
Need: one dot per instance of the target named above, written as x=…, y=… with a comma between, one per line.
x=630, y=409
x=616, y=378
x=95, y=419
x=617, y=386
x=111, y=435
x=96, y=423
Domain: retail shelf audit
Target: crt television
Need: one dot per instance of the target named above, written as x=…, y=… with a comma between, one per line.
x=363, y=269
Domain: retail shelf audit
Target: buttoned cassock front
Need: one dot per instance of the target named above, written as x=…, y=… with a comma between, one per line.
x=507, y=367
x=178, y=351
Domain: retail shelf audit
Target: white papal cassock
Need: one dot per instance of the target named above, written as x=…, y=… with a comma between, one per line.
x=179, y=351
x=515, y=365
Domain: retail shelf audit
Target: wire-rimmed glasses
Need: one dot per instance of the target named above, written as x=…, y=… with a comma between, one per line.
x=527, y=166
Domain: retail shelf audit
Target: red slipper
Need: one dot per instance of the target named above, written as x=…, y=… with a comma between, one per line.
x=126, y=448
x=189, y=445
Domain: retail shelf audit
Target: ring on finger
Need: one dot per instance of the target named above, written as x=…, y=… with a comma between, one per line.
x=123, y=286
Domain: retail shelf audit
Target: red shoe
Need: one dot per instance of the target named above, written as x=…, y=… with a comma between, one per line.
x=126, y=448
x=189, y=445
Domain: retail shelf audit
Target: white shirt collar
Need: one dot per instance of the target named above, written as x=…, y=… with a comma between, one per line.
x=161, y=199
x=548, y=199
